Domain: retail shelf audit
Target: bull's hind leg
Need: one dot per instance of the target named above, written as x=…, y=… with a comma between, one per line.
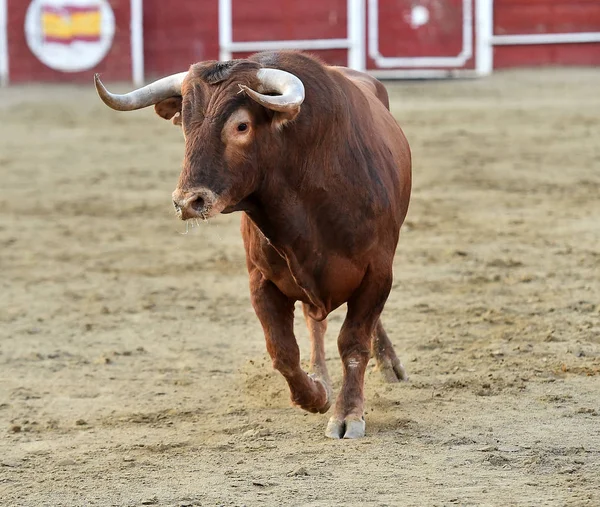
x=276, y=314
x=317, y=330
x=354, y=345
x=387, y=361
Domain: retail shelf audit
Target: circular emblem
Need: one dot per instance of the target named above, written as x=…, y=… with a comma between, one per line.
x=69, y=35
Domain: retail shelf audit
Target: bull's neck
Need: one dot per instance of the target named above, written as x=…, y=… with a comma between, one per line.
x=282, y=217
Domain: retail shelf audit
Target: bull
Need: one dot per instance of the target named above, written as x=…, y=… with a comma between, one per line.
x=313, y=158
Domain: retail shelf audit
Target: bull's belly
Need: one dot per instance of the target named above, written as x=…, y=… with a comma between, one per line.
x=322, y=278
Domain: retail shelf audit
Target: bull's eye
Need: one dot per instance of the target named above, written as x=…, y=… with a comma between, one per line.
x=242, y=127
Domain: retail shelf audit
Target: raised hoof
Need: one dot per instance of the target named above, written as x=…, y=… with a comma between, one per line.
x=394, y=373
x=347, y=428
x=328, y=393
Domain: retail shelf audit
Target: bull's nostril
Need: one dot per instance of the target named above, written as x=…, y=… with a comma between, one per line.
x=177, y=207
x=198, y=204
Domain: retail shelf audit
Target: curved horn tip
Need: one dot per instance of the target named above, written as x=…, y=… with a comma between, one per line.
x=99, y=84
x=100, y=88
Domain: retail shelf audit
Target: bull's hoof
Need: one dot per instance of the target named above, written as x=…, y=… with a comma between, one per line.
x=350, y=427
x=328, y=393
x=314, y=397
x=393, y=373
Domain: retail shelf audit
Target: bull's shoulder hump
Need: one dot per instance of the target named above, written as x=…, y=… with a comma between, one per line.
x=367, y=83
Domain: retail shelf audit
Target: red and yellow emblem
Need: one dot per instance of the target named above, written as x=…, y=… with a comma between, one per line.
x=69, y=23
x=70, y=35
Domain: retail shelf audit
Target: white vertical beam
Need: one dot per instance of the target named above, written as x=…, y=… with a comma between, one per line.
x=225, y=29
x=3, y=43
x=356, y=34
x=137, y=42
x=484, y=25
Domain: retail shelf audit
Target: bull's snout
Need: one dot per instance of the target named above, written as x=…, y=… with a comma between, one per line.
x=197, y=203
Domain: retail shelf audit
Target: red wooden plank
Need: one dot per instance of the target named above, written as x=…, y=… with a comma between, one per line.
x=546, y=16
x=547, y=54
x=577, y=17
x=502, y=3
x=176, y=37
x=261, y=20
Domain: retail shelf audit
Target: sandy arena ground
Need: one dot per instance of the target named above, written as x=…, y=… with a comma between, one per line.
x=133, y=370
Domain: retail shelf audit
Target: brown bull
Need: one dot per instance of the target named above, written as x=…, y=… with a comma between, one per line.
x=322, y=173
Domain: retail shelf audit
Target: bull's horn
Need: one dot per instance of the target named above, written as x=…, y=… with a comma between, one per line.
x=288, y=86
x=142, y=97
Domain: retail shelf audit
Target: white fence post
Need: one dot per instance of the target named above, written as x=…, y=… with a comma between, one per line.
x=3, y=43
x=225, y=29
x=484, y=23
x=137, y=42
x=356, y=12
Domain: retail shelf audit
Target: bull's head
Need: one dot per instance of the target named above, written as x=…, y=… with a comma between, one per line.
x=229, y=112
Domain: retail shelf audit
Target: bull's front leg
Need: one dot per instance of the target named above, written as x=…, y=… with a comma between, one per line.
x=354, y=345
x=276, y=314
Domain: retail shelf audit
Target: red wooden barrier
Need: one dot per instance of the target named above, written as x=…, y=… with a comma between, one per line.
x=401, y=36
x=515, y=17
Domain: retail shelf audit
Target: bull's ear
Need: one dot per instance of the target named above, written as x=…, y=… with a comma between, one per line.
x=170, y=109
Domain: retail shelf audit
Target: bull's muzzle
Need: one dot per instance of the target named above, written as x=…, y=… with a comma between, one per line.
x=195, y=203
